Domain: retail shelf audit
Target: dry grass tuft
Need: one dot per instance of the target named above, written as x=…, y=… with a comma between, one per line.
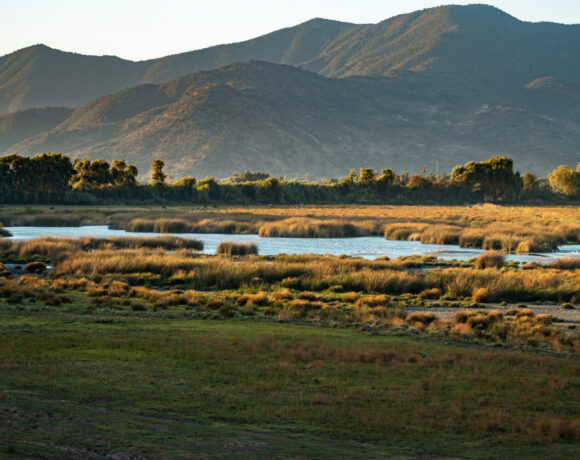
x=231, y=248
x=490, y=259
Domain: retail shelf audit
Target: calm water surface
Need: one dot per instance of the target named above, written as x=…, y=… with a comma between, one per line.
x=369, y=247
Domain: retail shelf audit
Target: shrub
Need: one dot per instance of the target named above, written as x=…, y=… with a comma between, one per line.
x=441, y=234
x=482, y=294
x=260, y=299
x=231, y=248
x=283, y=294
x=307, y=295
x=423, y=318
x=490, y=259
x=299, y=227
x=350, y=297
x=433, y=293
x=526, y=313
x=35, y=267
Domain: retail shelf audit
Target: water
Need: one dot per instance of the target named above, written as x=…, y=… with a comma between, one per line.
x=370, y=247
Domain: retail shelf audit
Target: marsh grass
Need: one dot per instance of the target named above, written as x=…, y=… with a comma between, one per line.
x=58, y=248
x=490, y=259
x=316, y=228
x=231, y=248
x=167, y=225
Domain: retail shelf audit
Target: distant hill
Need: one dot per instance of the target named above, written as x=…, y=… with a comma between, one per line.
x=440, y=87
x=477, y=45
x=17, y=126
x=287, y=121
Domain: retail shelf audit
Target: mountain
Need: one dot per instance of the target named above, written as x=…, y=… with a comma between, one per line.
x=287, y=121
x=440, y=87
x=478, y=45
x=17, y=126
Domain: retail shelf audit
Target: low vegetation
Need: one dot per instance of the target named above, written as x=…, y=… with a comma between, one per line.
x=228, y=344
x=231, y=248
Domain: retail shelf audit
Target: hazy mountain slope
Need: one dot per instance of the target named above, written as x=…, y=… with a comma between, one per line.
x=291, y=122
x=40, y=76
x=18, y=126
x=477, y=47
x=294, y=46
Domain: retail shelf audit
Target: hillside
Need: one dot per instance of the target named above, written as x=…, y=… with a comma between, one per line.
x=17, y=126
x=440, y=87
x=291, y=122
x=476, y=46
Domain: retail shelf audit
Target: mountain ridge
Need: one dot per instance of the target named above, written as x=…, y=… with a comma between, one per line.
x=441, y=40
x=442, y=85
x=287, y=121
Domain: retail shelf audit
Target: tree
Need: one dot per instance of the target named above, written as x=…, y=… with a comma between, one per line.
x=123, y=175
x=53, y=172
x=367, y=176
x=157, y=175
x=388, y=176
x=565, y=181
x=90, y=176
x=495, y=178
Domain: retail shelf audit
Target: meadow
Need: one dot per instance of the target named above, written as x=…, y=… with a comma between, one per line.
x=143, y=347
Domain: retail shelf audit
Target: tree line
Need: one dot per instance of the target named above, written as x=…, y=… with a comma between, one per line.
x=54, y=178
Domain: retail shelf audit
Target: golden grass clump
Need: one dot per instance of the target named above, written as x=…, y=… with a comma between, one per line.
x=231, y=248
x=373, y=301
x=307, y=295
x=260, y=299
x=313, y=228
x=432, y=293
x=441, y=234
x=283, y=294
x=404, y=231
x=482, y=294
x=490, y=259
x=565, y=263
x=350, y=297
x=421, y=319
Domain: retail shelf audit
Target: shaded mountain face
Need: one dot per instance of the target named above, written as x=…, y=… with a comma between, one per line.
x=479, y=46
x=17, y=126
x=439, y=87
x=287, y=121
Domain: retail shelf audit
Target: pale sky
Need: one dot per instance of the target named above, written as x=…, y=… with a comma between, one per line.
x=144, y=29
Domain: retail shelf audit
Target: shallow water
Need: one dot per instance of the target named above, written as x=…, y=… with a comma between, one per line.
x=370, y=247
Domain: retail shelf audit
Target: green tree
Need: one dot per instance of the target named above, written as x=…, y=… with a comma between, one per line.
x=565, y=181
x=123, y=175
x=495, y=178
x=366, y=176
x=157, y=175
x=388, y=176
x=90, y=176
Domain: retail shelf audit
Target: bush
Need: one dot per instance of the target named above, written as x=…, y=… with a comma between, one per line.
x=232, y=248
x=35, y=267
x=490, y=259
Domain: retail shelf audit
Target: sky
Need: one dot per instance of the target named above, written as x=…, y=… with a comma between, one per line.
x=145, y=29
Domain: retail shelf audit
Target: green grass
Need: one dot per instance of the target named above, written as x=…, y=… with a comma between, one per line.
x=151, y=386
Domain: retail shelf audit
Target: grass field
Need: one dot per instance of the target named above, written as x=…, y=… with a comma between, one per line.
x=104, y=385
